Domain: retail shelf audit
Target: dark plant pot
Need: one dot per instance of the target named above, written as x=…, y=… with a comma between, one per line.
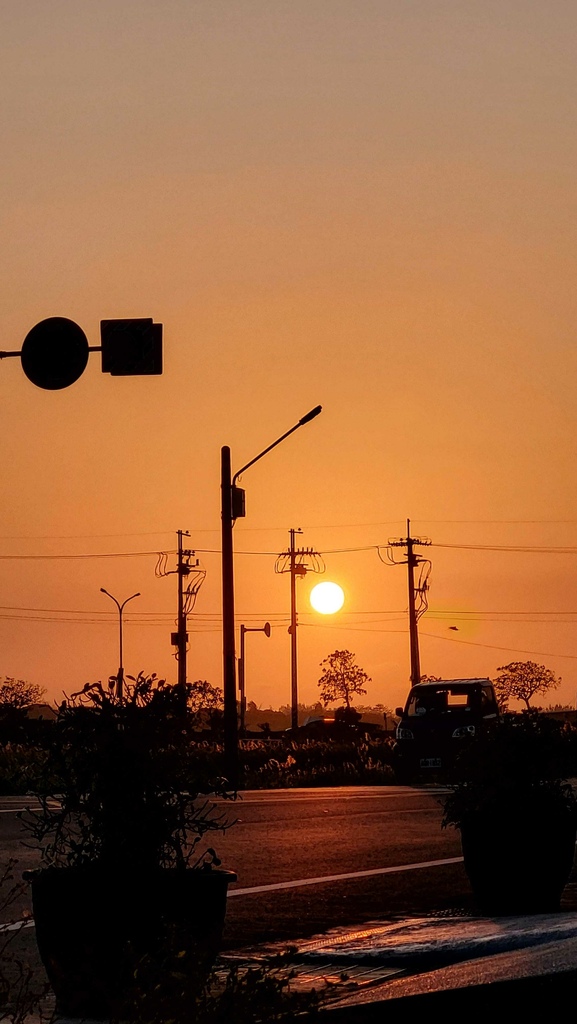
x=93, y=929
x=519, y=858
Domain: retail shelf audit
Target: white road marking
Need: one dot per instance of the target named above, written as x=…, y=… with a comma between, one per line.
x=254, y=798
x=339, y=878
x=16, y=926
x=292, y=800
x=29, y=922
x=29, y=807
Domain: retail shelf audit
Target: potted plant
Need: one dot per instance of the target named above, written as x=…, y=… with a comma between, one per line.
x=517, y=815
x=120, y=829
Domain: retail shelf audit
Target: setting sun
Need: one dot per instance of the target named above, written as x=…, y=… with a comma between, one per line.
x=327, y=598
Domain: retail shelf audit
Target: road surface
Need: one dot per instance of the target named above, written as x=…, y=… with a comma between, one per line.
x=314, y=858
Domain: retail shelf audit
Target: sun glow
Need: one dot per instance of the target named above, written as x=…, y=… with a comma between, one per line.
x=327, y=598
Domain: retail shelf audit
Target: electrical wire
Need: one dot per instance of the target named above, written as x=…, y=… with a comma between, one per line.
x=494, y=647
x=91, y=536
x=512, y=548
x=115, y=554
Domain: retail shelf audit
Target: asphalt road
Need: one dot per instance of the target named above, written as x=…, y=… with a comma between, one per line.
x=282, y=837
x=313, y=860
x=293, y=847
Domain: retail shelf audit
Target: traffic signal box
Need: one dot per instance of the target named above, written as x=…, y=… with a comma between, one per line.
x=131, y=347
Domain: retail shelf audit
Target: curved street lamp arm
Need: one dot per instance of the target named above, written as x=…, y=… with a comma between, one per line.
x=304, y=419
x=117, y=603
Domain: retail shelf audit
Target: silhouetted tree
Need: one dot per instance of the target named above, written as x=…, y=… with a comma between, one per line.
x=341, y=678
x=16, y=694
x=521, y=680
x=202, y=696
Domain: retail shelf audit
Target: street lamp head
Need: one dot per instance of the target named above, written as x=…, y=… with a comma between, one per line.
x=310, y=415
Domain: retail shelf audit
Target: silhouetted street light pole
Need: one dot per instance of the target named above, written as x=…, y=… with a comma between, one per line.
x=241, y=669
x=233, y=508
x=120, y=676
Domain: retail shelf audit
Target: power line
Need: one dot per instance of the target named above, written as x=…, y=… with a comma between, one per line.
x=440, y=613
x=515, y=548
x=115, y=554
x=316, y=526
x=74, y=611
x=90, y=536
x=494, y=647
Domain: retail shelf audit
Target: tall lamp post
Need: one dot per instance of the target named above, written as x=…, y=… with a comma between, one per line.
x=241, y=672
x=233, y=508
x=120, y=676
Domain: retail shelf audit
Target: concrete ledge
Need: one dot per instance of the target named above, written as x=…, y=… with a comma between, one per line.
x=521, y=997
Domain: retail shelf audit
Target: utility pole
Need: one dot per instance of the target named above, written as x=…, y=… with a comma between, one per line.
x=188, y=569
x=296, y=561
x=182, y=635
x=293, y=629
x=413, y=633
x=417, y=594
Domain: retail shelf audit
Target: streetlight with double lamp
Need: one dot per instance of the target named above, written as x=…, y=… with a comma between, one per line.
x=233, y=508
x=241, y=671
x=120, y=676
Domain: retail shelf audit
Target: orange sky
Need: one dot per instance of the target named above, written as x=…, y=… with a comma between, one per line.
x=368, y=206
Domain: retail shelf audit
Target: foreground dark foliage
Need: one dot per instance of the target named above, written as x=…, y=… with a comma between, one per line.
x=116, y=787
x=517, y=815
x=169, y=991
x=22, y=988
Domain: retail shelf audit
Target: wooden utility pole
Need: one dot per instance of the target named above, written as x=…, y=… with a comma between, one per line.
x=182, y=635
x=293, y=632
x=412, y=561
x=190, y=576
x=419, y=591
x=297, y=562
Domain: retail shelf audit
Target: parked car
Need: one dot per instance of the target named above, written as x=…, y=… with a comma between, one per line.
x=438, y=719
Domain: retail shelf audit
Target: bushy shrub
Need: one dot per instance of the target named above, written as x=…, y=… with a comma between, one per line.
x=319, y=763
x=264, y=764
x=165, y=991
x=20, y=763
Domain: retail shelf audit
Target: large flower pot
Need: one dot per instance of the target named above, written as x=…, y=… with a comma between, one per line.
x=94, y=927
x=519, y=854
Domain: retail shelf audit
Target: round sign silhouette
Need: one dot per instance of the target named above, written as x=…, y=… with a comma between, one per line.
x=54, y=353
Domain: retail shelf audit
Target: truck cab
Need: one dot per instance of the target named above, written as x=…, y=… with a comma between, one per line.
x=438, y=719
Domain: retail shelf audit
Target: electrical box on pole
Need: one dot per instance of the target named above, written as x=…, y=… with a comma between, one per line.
x=238, y=502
